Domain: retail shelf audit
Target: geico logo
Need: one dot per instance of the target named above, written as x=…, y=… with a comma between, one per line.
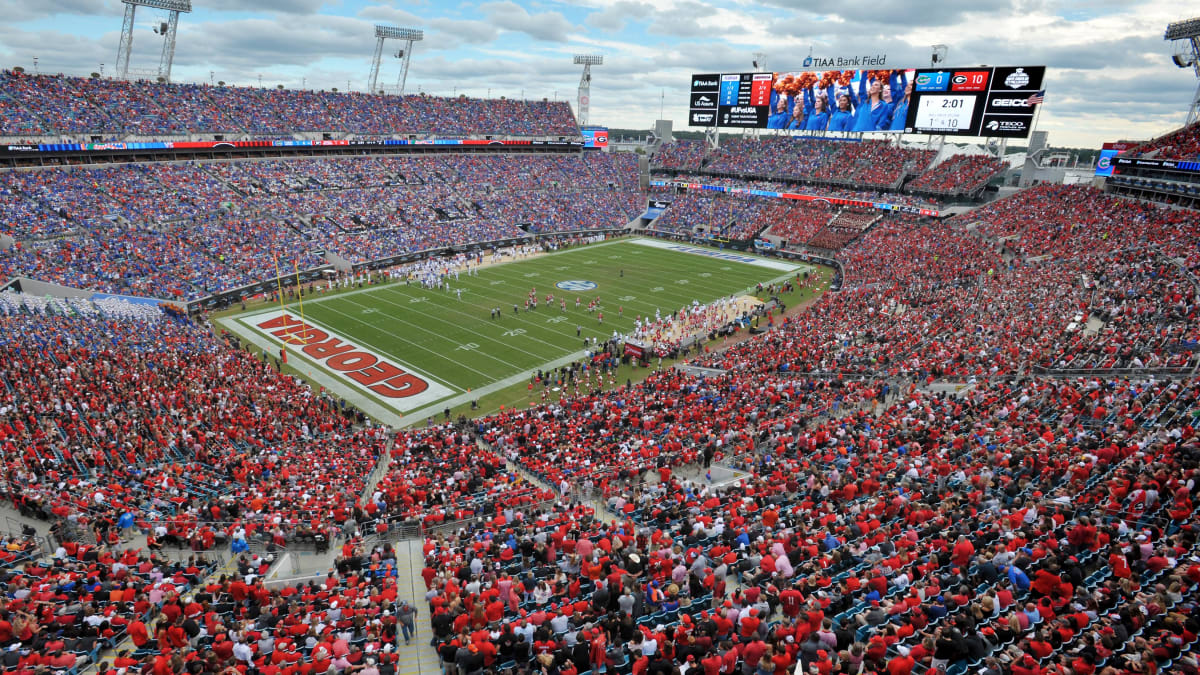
x=1009, y=103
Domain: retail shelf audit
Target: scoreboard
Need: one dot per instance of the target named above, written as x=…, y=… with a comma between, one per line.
x=981, y=101
x=977, y=102
x=741, y=100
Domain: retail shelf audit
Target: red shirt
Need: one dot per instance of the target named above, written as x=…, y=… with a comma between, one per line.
x=901, y=665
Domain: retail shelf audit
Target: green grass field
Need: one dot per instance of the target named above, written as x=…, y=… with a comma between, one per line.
x=464, y=354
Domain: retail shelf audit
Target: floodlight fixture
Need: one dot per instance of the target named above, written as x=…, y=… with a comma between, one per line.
x=1183, y=30
x=393, y=33
x=584, y=101
x=938, y=54
x=1186, y=36
x=169, y=5
x=406, y=35
x=167, y=30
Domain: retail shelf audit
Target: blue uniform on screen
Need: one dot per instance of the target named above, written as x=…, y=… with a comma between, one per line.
x=818, y=118
x=901, y=93
x=781, y=111
x=842, y=118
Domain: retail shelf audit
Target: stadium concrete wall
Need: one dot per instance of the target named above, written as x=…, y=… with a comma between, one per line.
x=43, y=289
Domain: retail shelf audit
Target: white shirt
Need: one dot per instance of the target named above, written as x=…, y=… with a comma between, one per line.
x=243, y=652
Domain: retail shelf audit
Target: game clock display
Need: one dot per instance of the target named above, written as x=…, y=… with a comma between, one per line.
x=940, y=113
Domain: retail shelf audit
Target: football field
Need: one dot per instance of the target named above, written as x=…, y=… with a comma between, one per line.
x=402, y=352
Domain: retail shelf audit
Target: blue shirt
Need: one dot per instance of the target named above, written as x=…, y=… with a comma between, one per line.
x=1018, y=577
x=841, y=120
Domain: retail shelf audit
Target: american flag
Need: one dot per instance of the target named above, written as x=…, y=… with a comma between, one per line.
x=1037, y=98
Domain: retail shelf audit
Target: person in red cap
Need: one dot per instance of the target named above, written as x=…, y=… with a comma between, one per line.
x=598, y=651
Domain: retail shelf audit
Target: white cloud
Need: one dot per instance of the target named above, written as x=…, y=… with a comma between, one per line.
x=549, y=26
x=280, y=6
x=612, y=18
x=16, y=10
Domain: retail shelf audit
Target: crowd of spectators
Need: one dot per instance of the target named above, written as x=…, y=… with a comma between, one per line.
x=617, y=168
x=1181, y=144
x=36, y=105
x=826, y=192
x=679, y=155
x=846, y=226
x=1063, y=220
x=699, y=213
x=908, y=529
x=741, y=217
x=865, y=164
x=923, y=298
x=959, y=175
x=118, y=415
x=1144, y=307
x=188, y=230
x=801, y=222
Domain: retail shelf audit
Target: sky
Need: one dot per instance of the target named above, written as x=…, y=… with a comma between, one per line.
x=1110, y=74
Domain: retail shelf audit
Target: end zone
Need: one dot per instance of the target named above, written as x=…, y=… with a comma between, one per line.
x=344, y=366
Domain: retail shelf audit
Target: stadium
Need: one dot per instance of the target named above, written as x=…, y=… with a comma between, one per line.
x=312, y=380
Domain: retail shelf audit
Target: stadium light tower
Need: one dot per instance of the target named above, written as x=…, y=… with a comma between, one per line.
x=408, y=36
x=938, y=55
x=1186, y=35
x=168, y=34
x=585, y=84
